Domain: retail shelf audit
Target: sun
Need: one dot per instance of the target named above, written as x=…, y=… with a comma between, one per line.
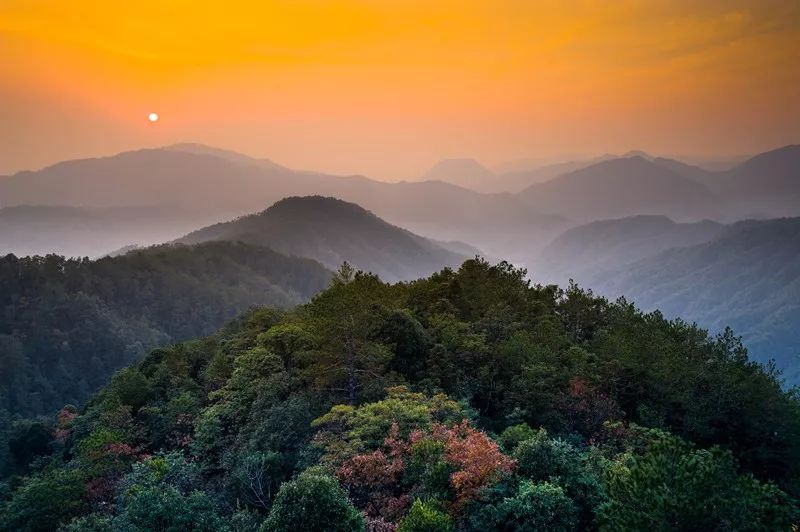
x=153, y=117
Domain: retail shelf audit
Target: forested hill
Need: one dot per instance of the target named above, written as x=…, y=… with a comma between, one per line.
x=67, y=324
x=333, y=231
x=469, y=400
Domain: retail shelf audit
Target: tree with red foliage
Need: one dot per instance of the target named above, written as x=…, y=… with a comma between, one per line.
x=384, y=484
x=65, y=419
x=478, y=460
x=374, y=478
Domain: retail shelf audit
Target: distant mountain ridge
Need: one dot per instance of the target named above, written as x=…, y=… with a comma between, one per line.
x=333, y=231
x=219, y=184
x=230, y=155
x=590, y=252
x=222, y=184
x=767, y=184
x=467, y=173
x=623, y=187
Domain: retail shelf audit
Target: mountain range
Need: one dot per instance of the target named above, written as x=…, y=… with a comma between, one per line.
x=221, y=184
x=608, y=223
x=67, y=324
x=767, y=184
x=192, y=185
x=748, y=278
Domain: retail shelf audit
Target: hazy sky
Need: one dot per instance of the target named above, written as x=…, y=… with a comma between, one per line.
x=388, y=87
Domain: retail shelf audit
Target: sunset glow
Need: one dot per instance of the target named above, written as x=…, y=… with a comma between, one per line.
x=388, y=87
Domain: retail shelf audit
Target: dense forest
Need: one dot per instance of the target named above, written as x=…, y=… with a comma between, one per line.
x=470, y=400
x=67, y=324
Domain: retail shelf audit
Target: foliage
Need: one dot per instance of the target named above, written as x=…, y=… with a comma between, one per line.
x=90, y=523
x=545, y=459
x=372, y=396
x=425, y=517
x=44, y=501
x=675, y=487
x=453, y=463
x=534, y=507
x=67, y=324
x=161, y=493
x=312, y=502
x=514, y=435
x=346, y=430
x=166, y=508
x=258, y=476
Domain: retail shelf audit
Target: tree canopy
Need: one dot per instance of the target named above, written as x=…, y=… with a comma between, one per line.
x=469, y=400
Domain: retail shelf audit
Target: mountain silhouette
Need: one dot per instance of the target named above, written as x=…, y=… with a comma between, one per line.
x=333, y=231
x=588, y=253
x=767, y=184
x=623, y=187
x=467, y=173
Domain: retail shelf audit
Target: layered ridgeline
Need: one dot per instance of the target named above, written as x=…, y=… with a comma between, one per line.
x=197, y=185
x=766, y=185
x=469, y=400
x=332, y=231
x=590, y=252
x=745, y=275
x=219, y=184
x=67, y=324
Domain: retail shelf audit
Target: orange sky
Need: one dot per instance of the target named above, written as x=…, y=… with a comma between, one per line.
x=386, y=88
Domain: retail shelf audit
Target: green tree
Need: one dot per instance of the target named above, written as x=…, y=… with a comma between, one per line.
x=533, y=508
x=312, y=502
x=44, y=501
x=166, y=508
x=541, y=458
x=512, y=436
x=425, y=517
x=345, y=319
x=162, y=493
x=26, y=440
x=675, y=487
x=257, y=477
x=345, y=431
